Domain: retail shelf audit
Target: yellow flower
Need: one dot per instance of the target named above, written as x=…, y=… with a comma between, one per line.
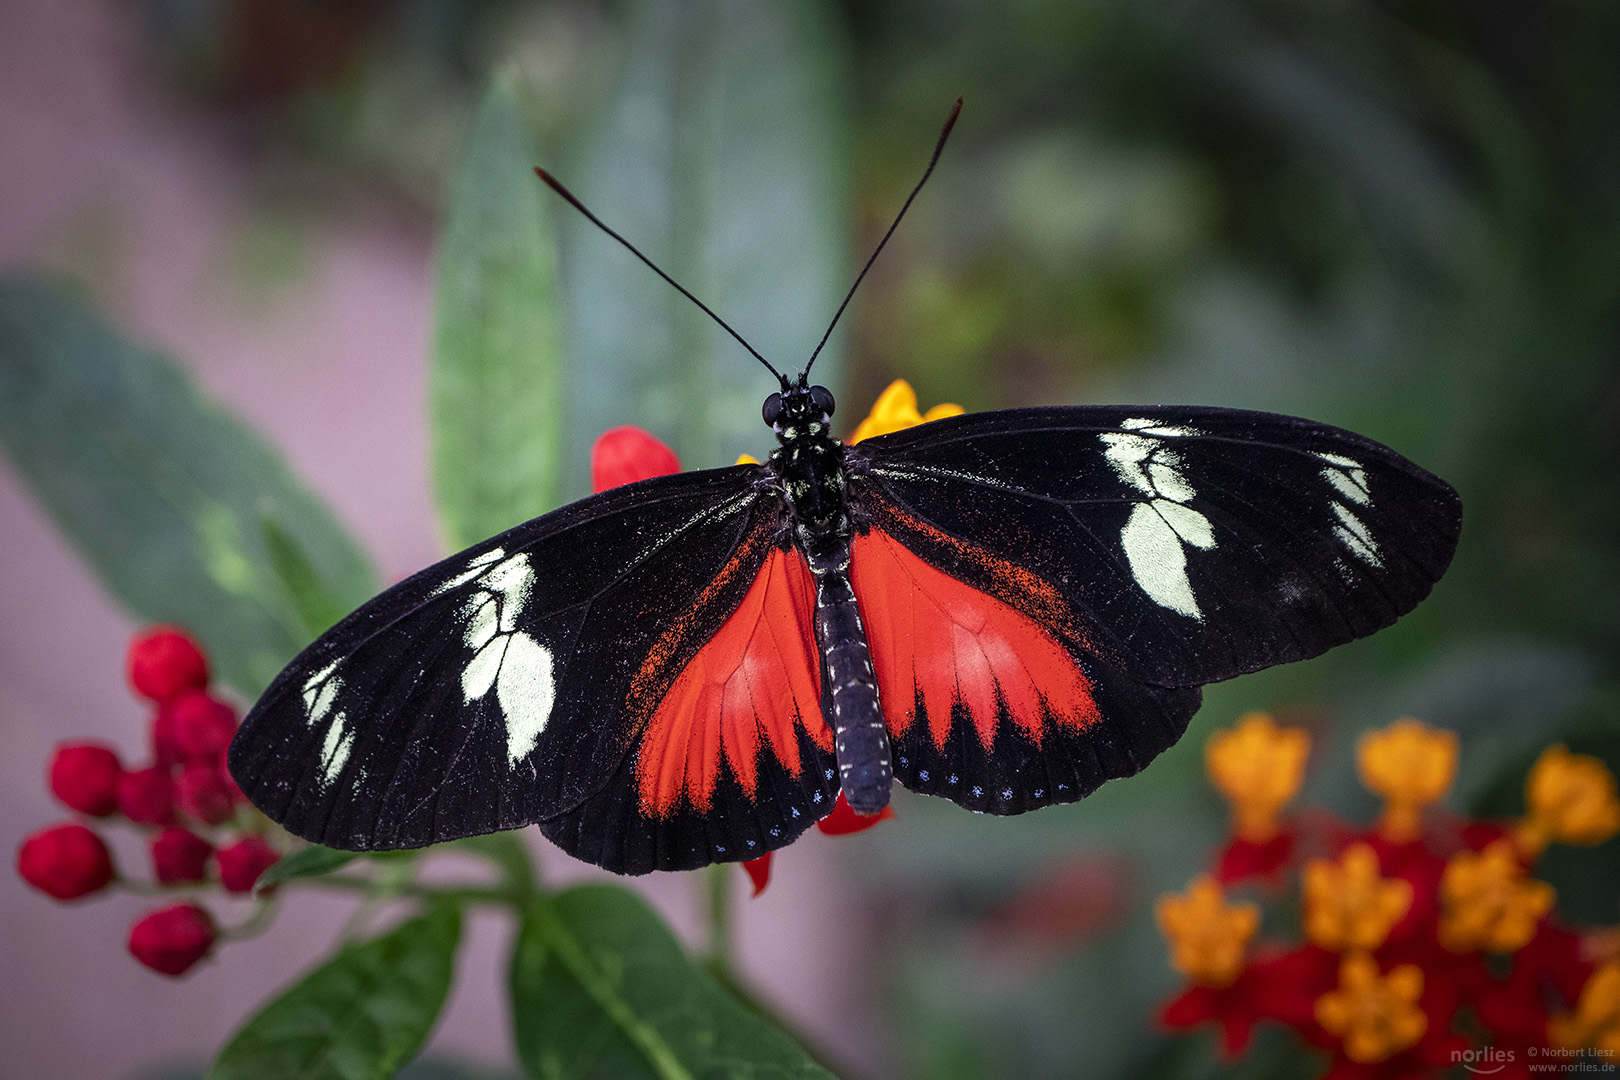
x=1595, y=1023
x=1207, y=935
x=1258, y=766
x=896, y=409
x=1411, y=765
x=1490, y=902
x=1570, y=799
x=1376, y=1016
x=1347, y=905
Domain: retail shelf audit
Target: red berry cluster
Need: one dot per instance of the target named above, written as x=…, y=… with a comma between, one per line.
x=183, y=799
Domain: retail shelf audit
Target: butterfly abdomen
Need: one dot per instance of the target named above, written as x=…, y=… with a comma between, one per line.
x=849, y=692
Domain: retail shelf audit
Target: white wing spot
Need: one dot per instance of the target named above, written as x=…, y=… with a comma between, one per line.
x=320, y=691
x=513, y=663
x=474, y=568
x=1158, y=532
x=335, y=750
x=1349, y=482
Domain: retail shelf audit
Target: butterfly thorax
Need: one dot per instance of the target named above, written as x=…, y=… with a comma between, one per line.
x=809, y=462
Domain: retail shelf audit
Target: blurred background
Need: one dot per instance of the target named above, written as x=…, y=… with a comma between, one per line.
x=1398, y=217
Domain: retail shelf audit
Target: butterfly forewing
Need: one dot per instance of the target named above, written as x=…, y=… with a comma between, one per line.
x=1187, y=545
x=512, y=682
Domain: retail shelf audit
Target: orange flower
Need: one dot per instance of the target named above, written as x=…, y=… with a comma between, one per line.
x=1258, y=766
x=1491, y=903
x=1411, y=765
x=1348, y=905
x=1376, y=1015
x=1207, y=935
x=1595, y=1023
x=1570, y=799
x=896, y=409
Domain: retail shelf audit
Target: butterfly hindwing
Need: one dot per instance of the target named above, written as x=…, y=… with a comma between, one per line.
x=1190, y=544
x=992, y=696
x=517, y=680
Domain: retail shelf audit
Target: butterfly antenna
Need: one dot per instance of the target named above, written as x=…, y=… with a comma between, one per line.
x=554, y=185
x=945, y=132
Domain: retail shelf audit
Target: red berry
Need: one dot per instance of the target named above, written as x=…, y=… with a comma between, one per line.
x=66, y=861
x=623, y=455
x=759, y=871
x=179, y=855
x=84, y=776
x=165, y=745
x=164, y=661
x=202, y=724
x=172, y=939
x=200, y=792
x=146, y=796
x=241, y=863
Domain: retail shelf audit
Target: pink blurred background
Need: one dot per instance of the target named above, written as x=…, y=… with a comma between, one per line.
x=103, y=175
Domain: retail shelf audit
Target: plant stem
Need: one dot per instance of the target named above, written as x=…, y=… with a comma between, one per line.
x=718, y=882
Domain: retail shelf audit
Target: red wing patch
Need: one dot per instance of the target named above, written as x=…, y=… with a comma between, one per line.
x=943, y=640
x=753, y=681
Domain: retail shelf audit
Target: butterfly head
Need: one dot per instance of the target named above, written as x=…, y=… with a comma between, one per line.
x=797, y=410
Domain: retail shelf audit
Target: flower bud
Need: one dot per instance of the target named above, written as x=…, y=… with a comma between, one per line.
x=843, y=819
x=241, y=863
x=164, y=662
x=84, y=776
x=200, y=793
x=67, y=861
x=201, y=724
x=172, y=939
x=759, y=872
x=165, y=745
x=179, y=855
x=623, y=455
x=146, y=796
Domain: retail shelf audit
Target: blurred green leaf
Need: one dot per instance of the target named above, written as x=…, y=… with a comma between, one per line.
x=362, y=1014
x=164, y=493
x=497, y=366
x=317, y=609
x=311, y=861
x=724, y=157
x=600, y=988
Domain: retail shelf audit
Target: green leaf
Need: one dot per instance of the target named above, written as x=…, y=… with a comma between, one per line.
x=164, y=493
x=600, y=988
x=359, y=1016
x=496, y=379
x=724, y=157
x=311, y=861
x=317, y=609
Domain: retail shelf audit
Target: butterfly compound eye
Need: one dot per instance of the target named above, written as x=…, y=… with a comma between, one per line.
x=822, y=398
x=772, y=409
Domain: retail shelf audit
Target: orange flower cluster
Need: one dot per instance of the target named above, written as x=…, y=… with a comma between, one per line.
x=1426, y=939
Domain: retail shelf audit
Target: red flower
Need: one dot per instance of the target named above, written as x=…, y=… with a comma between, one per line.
x=843, y=819
x=623, y=455
x=164, y=662
x=1279, y=985
x=201, y=725
x=172, y=939
x=179, y=855
x=1243, y=859
x=241, y=863
x=84, y=776
x=201, y=793
x=65, y=861
x=146, y=796
x=759, y=872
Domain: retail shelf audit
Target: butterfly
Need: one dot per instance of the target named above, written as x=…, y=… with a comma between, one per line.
x=1005, y=609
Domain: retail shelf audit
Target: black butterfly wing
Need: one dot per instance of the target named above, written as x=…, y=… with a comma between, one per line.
x=1161, y=548
x=1196, y=543
x=515, y=682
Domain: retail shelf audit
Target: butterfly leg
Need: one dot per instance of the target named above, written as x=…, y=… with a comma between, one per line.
x=849, y=685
